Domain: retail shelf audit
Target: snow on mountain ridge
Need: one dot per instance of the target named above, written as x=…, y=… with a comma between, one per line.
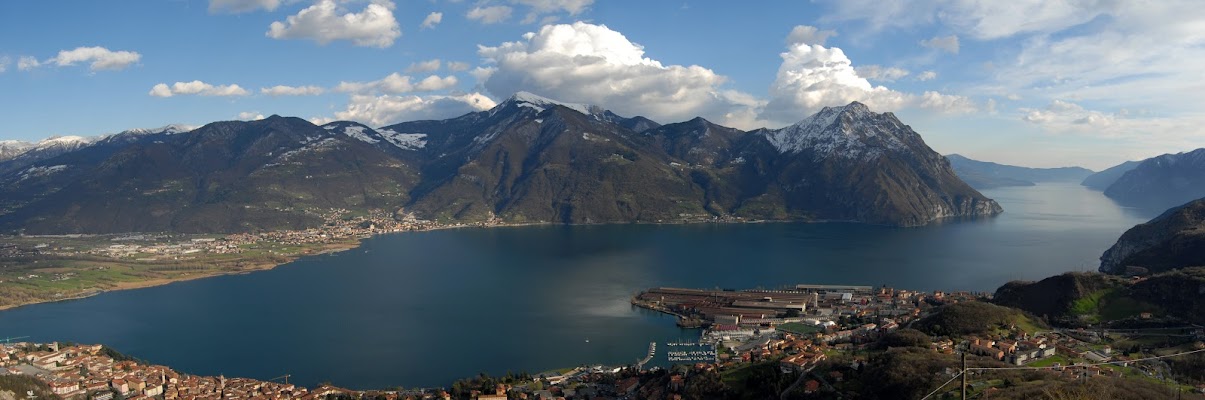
x=170, y=129
x=850, y=131
x=539, y=103
x=354, y=130
x=357, y=132
x=407, y=141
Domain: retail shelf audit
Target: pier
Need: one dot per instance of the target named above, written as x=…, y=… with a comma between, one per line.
x=652, y=352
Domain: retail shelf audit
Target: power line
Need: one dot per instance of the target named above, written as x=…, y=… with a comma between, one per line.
x=942, y=385
x=964, y=371
x=1090, y=365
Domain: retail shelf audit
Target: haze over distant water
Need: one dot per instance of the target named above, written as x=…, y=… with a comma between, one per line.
x=422, y=309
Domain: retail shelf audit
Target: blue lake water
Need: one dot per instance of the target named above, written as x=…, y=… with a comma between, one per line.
x=422, y=309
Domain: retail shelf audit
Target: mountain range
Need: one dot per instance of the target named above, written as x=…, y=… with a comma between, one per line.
x=987, y=175
x=529, y=159
x=1162, y=182
x=1101, y=180
x=1157, y=183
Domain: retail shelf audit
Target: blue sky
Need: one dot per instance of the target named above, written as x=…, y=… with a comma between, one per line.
x=1033, y=82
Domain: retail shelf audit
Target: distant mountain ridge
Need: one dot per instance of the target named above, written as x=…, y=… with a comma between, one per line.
x=1162, y=182
x=1101, y=180
x=986, y=175
x=529, y=159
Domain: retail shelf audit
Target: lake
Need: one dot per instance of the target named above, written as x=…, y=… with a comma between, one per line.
x=425, y=308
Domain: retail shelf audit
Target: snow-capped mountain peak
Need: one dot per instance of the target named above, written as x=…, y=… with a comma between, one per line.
x=540, y=103
x=63, y=141
x=170, y=129
x=849, y=131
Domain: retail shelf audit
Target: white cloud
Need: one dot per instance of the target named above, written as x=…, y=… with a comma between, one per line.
x=99, y=57
x=387, y=109
x=397, y=84
x=589, y=63
x=573, y=7
x=457, y=66
x=250, y=116
x=26, y=63
x=809, y=35
x=812, y=77
x=423, y=66
x=325, y=22
x=321, y=120
x=394, y=83
x=196, y=88
x=433, y=83
x=482, y=73
x=539, y=8
x=489, y=15
x=881, y=73
x=947, y=43
x=4, y=62
x=241, y=6
x=981, y=19
x=948, y=104
x=282, y=90
x=1066, y=113
x=927, y=76
x=1066, y=117
x=431, y=20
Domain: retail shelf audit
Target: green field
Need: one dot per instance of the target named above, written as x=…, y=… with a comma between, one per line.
x=41, y=278
x=799, y=328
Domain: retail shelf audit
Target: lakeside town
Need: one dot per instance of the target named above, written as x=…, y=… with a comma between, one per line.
x=814, y=337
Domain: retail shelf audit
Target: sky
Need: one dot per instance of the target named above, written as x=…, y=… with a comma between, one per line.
x=1039, y=83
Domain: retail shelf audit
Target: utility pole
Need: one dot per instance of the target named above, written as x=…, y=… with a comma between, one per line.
x=964, y=376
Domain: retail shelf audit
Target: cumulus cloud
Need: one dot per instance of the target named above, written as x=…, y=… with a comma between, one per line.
x=282, y=90
x=388, y=109
x=590, y=63
x=948, y=44
x=423, y=66
x=326, y=21
x=99, y=59
x=26, y=63
x=927, y=76
x=881, y=73
x=804, y=34
x=196, y=88
x=431, y=20
x=249, y=116
x=489, y=15
x=1066, y=113
x=949, y=104
x=4, y=62
x=241, y=6
x=813, y=76
x=457, y=66
x=433, y=83
x=396, y=83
